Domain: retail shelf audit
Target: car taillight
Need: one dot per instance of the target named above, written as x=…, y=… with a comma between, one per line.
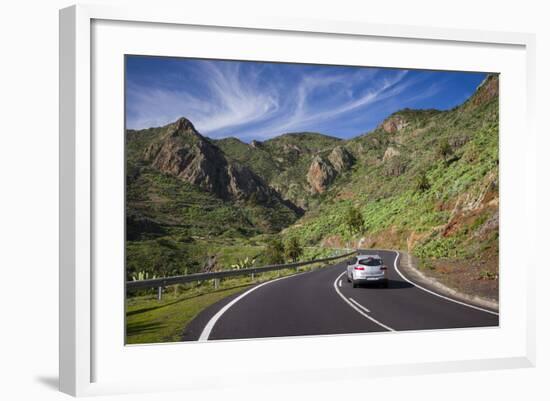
x=359, y=268
x=383, y=268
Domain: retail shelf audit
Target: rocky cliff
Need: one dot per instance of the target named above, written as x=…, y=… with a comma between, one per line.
x=186, y=154
x=320, y=174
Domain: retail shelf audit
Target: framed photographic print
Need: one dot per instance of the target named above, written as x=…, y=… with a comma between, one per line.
x=244, y=190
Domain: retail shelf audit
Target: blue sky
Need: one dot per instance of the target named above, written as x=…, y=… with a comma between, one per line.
x=256, y=100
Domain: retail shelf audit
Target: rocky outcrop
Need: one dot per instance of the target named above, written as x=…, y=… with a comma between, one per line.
x=320, y=174
x=486, y=91
x=184, y=153
x=243, y=183
x=341, y=159
x=393, y=124
x=395, y=167
x=390, y=153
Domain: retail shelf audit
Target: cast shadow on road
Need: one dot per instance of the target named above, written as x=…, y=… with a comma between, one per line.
x=392, y=285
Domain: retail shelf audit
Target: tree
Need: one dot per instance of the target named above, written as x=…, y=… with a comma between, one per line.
x=421, y=183
x=293, y=249
x=444, y=150
x=275, y=252
x=354, y=220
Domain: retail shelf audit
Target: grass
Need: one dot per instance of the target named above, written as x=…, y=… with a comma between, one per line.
x=175, y=227
x=166, y=257
x=151, y=321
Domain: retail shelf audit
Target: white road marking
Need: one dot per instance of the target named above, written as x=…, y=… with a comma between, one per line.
x=340, y=283
x=212, y=322
x=356, y=308
x=359, y=305
x=435, y=293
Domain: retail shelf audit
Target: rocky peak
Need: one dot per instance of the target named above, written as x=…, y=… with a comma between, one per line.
x=191, y=158
x=187, y=155
x=341, y=159
x=320, y=174
x=181, y=127
x=487, y=90
x=394, y=123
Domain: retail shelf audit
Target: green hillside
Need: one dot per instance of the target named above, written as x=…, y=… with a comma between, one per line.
x=429, y=187
x=424, y=181
x=282, y=161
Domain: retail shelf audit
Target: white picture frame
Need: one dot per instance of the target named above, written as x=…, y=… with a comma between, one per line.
x=81, y=160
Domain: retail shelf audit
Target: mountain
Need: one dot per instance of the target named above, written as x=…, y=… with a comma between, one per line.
x=182, y=152
x=425, y=181
x=282, y=161
x=182, y=191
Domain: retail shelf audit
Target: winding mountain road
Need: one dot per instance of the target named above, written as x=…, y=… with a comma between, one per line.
x=323, y=302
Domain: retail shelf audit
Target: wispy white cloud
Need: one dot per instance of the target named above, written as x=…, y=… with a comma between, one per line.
x=262, y=100
x=232, y=98
x=235, y=99
x=304, y=116
x=228, y=100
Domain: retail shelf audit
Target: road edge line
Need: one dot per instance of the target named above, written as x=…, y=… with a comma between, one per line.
x=207, y=330
x=398, y=255
x=356, y=308
x=367, y=310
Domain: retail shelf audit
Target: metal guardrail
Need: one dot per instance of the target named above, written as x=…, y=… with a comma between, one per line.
x=165, y=281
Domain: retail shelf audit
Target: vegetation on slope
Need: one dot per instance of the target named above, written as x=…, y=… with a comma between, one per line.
x=430, y=187
x=424, y=181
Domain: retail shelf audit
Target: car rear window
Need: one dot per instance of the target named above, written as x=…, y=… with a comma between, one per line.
x=370, y=262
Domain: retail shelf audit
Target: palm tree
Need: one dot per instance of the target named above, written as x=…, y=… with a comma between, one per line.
x=293, y=249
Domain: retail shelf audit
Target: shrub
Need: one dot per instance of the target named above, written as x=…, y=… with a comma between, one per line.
x=244, y=263
x=444, y=149
x=354, y=220
x=275, y=252
x=421, y=183
x=293, y=249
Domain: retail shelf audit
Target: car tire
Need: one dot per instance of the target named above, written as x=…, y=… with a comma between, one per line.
x=385, y=284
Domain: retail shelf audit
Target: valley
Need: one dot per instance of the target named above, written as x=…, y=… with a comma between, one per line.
x=424, y=181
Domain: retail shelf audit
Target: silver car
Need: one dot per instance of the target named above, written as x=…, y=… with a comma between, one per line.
x=367, y=269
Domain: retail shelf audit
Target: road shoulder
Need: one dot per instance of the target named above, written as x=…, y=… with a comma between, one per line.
x=409, y=268
x=194, y=328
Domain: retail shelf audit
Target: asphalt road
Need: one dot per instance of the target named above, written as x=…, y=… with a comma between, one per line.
x=323, y=302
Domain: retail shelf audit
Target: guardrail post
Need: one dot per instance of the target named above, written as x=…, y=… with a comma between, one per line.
x=216, y=283
x=252, y=276
x=159, y=294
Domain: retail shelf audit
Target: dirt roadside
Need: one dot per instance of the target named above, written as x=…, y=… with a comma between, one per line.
x=432, y=280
